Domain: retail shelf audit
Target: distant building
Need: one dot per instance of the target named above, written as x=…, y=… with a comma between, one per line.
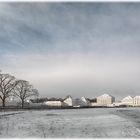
x=105, y=100
x=85, y=101
x=68, y=101
x=117, y=104
x=54, y=102
x=128, y=101
x=136, y=101
x=80, y=102
x=92, y=102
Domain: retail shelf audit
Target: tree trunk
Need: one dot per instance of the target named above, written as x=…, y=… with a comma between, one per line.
x=22, y=104
x=3, y=102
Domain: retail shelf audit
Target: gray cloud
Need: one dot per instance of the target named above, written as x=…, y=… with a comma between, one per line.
x=72, y=48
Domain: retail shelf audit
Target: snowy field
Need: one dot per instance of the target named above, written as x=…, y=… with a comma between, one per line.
x=71, y=123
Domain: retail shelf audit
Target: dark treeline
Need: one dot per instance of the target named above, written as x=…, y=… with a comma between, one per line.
x=11, y=86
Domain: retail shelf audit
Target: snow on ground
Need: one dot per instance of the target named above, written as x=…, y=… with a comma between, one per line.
x=71, y=123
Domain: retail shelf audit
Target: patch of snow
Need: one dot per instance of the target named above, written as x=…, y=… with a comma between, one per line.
x=71, y=123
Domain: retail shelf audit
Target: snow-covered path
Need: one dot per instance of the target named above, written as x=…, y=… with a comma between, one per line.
x=72, y=123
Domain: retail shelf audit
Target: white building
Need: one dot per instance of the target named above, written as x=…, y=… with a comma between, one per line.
x=68, y=101
x=105, y=100
x=94, y=104
x=53, y=103
x=128, y=101
x=80, y=102
x=136, y=101
x=85, y=101
x=117, y=104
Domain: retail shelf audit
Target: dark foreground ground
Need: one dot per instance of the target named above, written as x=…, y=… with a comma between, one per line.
x=71, y=123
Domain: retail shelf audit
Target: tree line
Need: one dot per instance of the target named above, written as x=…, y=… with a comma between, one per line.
x=11, y=86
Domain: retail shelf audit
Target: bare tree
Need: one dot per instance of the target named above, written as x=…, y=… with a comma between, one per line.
x=7, y=84
x=24, y=90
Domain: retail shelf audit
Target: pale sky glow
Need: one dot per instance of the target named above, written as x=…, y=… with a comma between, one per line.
x=81, y=49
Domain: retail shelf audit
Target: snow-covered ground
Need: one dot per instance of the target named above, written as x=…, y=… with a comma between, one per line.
x=71, y=123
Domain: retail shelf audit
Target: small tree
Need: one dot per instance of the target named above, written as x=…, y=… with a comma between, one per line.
x=24, y=90
x=7, y=85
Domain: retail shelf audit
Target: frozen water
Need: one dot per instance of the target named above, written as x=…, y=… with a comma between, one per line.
x=71, y=123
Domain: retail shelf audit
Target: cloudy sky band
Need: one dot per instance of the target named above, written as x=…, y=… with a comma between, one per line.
x=72, y=48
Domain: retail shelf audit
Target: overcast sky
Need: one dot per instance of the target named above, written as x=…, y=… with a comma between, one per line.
x=81, y=49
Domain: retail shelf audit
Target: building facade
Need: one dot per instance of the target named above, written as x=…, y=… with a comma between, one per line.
x=53, y=103
x=85, y=101
x=68, y=101
x=136, y=101
x=80, y=102
x=128, y=101
x=105, y=100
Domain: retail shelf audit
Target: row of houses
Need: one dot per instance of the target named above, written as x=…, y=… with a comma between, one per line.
x=108, y=100
x=53, y=102
x=103, y=100
x=129, y=101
